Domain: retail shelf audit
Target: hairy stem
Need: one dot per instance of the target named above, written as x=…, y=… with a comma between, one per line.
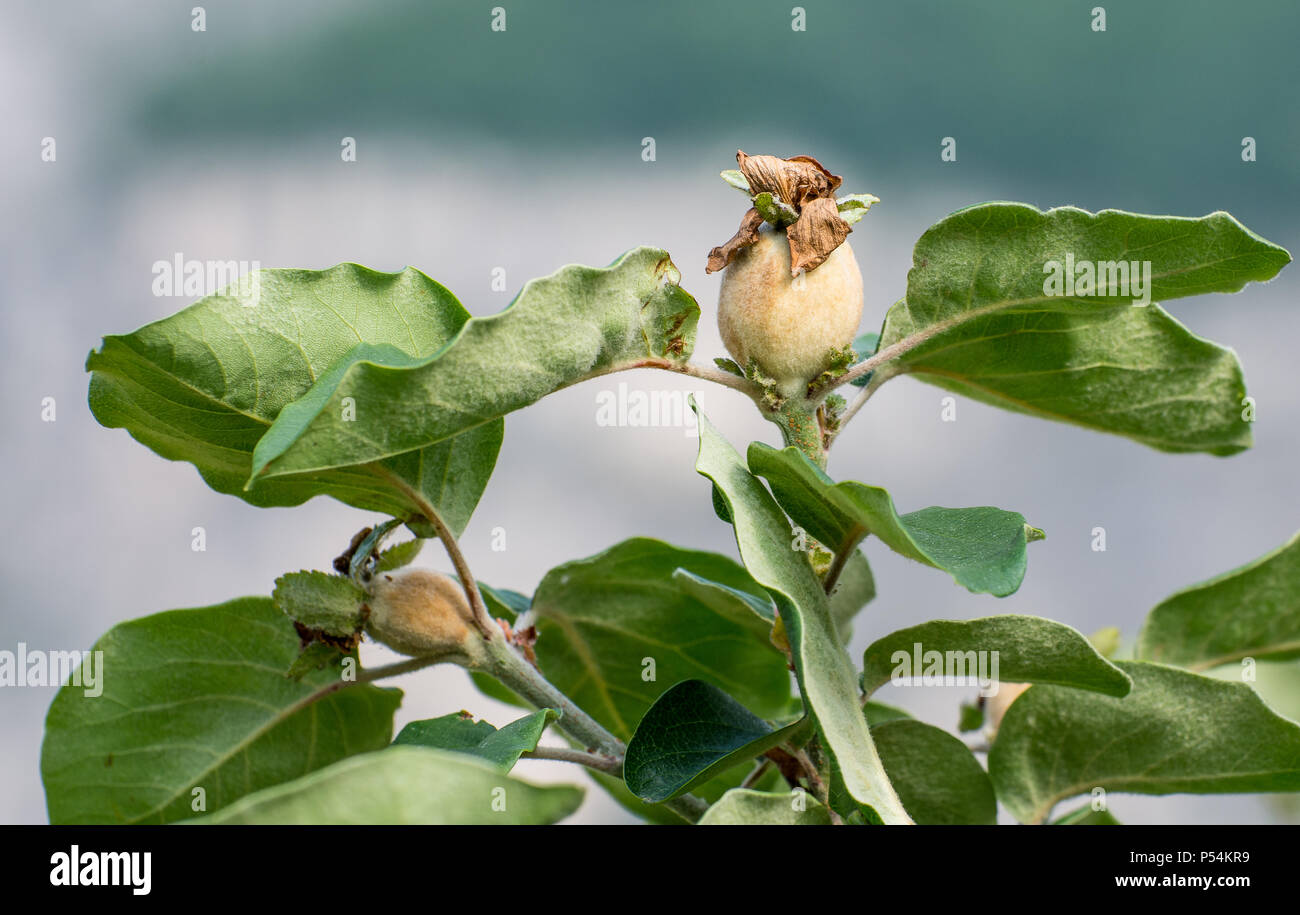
x=717, y=376
x=758, y=772
x=842, y=557
x=526, y=681
x=800, y=427
x=597, y=761
x=912, y=341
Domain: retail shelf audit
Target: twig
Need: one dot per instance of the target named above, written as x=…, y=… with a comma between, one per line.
x=759, y=771
x=598, y=761
x=841, y=559
x=717, y=376
x=814, y=777
x=912, y=341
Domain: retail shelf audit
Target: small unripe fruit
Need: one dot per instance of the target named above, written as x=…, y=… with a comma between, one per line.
x=420, y=613
x=788, y=326
x=999, y=703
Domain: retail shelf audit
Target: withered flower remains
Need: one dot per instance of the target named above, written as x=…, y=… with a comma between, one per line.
x=796, y=195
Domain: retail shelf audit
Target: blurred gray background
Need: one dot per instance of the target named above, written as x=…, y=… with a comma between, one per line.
x=522, y=149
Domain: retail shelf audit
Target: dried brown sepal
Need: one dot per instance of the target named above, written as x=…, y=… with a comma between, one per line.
x=745, y=236
x=818, y=232
x=343, y=562
x=307, y=636
x=793, y=181
x=803, y=184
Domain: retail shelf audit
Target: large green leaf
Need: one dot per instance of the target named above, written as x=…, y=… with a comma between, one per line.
x=1176, y=732
x=207, y=383
x=405, y=785
x=602, y=620
x=1028, y=649
x=983, y=549
x=693, y=732
x=985, y=327
x=199, y=699
x=826, y=676
x=575, y=324
x=936, y=775
x=461, y=733
x=1253, y=611
x=744, y=807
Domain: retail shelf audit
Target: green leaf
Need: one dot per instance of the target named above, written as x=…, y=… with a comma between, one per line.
x=774, y=211
x=729, y=365
x=1250, y=612
x=1176, y=732
x=460, y=732
x=1086, y=816
x=986, y=329
x=736, y=178
x=724, y=600
x=207, y=383
x=878, y=713
x=855, y=589
x=1028, y=649
x=693, y=732
x=970, y=717
x=405, y=786
x=319, y=600
x=743, y=807
x=853, y=207
x=1106, y=641
x=398, y=555
x=607, y=623
x=199, y=699
x=317, y=656
x=364, y=549
x=983, y=549
x=865, y=346
x=936, y=775
x=577, y=323
x=826, y=677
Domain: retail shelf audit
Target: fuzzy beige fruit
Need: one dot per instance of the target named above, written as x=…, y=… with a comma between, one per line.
x=420, y=613
x=998, y=704
x=788, y=326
